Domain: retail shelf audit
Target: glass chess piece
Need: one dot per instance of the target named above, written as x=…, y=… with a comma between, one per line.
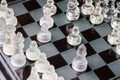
x=87, y=8
x=115, y=22
x=2, y=31
x=11, y=20
x=47, y=19
x=114, y=37
x=74, y=37
x=96, y=17
x=73, y=11
x=44, y=35
x=50, y=74
x=34, y=75
x=109, y=10
x=18, y=59
x=42, y=64
x=50, y=6
x=80, y=62
x=8, y=45
x=4, y=10
x=118, y=49
x=33, y=52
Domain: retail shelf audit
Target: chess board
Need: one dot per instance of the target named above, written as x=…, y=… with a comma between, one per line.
x=103, y=63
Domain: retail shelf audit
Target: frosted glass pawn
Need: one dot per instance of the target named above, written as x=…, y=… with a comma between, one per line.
x=80, y=62
x=96, y=17
x=44, y=35
x=33, y=75
x=74, y=38
x=18, y=59
x=11, y=19
x=73, y=11
x=114, y=37
x=50, y=74
x=87, y=8
x=115, y=22
x=109, y=10
x=47, y=19
x=8, y=45
x=2, y=31
x=33, y=52
x=50, y=6
x=42, y=64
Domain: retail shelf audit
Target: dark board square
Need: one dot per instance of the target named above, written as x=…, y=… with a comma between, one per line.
x=57, y=60
x=22, y=31
x=90, y=50
x=24, y=73
x=25, y=19
x=31, y=5
x=66, y=29
x=104, y=73
x=108, y=56
x=90, y=34
x=62, y=45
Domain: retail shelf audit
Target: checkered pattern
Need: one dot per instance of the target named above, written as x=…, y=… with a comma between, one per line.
x=103, y=61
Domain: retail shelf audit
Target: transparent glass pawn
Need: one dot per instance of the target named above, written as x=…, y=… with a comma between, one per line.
x=114, y=37
x=4, y=10
x=73, y=11
x=44, y=35
x=42, y=64
x=96, y=17
x=74, y=37
x=109, y=10
x=50, y=74
x=47, y=19
x=87, y=8
x=18, y=59
x=115, y=22
x=33, y=52
x=8, y=45
x=34, y=75
x=2, y=31
x=80, y=62
x=50, y=6
x=11, y=20
x=118, y=49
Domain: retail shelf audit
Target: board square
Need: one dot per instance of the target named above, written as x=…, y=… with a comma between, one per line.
x=62, y=45
x=90, y=34
x=66, y=29
x=108, y=55
x=106, y=75
x=57, y=60
x=25, y=19
x=31, y=5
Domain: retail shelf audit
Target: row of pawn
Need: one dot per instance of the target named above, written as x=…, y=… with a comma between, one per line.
x=7, y=18
x=114, y=37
